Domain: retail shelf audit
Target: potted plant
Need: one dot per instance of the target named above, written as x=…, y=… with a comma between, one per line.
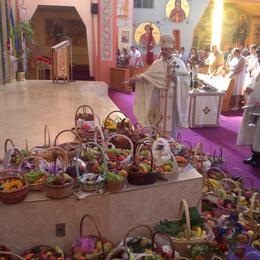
x=22, y=34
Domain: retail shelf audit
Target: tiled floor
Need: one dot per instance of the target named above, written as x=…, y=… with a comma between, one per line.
x=25, y=107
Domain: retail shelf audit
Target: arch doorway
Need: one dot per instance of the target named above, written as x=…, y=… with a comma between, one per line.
x=53, y=24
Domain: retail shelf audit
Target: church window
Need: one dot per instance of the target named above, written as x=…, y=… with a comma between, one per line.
x=143, y=3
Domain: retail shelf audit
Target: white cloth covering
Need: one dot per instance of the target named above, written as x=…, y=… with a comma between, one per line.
x=251, y=135
x=149, y=90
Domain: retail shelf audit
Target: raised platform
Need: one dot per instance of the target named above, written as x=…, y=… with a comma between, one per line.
x=27, y=106
x=33, y=221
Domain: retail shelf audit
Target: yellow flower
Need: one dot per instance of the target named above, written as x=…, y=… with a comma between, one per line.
x=12, y=185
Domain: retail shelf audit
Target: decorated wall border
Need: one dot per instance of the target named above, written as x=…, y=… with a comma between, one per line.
x=107, y=30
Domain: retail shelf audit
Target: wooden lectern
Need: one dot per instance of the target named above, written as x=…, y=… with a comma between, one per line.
x=61, y=61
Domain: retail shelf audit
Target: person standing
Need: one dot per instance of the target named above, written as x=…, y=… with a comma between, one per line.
x=215, y=61
x=135, y=60
x=183, y=55
x=251, y=60
x=194, y=58
x=162, y=91
x=236, y=66
x=250, y=135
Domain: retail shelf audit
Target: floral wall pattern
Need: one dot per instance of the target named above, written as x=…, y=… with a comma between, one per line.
x=107, y=30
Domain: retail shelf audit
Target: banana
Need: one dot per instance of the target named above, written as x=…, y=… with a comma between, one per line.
x=199, y=231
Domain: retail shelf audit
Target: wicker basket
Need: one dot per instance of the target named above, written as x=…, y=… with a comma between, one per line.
x=137, y=178
x=99, y=182
x=99, y=136
x=83, y=118
x=59, y=191
x=249, y=222
x=71, y=148
x=181, y=244
x=14, y=196
x=115, y=186
x=9, y=152
x=103, y=250
x=34, y=186
x=10, y=254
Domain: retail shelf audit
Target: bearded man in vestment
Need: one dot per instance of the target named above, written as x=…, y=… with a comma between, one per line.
x=162, y=91
x=250, y=135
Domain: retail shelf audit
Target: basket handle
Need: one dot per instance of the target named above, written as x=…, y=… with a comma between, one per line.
x=153, y=128
x=32, y=157
x=126, y=160
x=184, y=206
x=98, y=131
x=95, y=225
x=252, y=205
x=136, y=227
x=242, y=178
x=57, y=152
x=168, y=239
x=84, y=108
x=112, y=112
x=217, y=169
x=47, y=138
x=11, y=254
x=16, y=173
x=198, y=149
x=7, y=141
x=64, y=131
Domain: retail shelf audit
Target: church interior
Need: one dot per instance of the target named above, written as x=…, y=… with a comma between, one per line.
x=130, y=129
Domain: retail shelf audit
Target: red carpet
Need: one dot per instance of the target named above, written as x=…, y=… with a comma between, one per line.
x=212, y=138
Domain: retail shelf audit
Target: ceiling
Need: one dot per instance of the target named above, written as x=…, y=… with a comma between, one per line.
x=249, y=7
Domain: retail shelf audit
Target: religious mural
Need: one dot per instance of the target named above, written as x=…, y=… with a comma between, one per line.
x=177, y=10
x=202, y=32
x=122, y=8
x=256, y=34
x=56, y=29
x=235, y=27
x=147, y=35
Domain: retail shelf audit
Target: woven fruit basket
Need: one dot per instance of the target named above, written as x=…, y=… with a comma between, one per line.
x=115, y=182
x=164, y=160
x=6, y=254
x=85, y=122
x=90, y=247
x=12, y=155
x=35, y=170
x=182, y=233
x=142, y=172
x=154, y=246
x=58, y=185
x=13, y=186
x=93, y=177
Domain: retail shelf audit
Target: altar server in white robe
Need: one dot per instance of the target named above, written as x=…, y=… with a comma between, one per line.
x=162, y=91
x=249, y=135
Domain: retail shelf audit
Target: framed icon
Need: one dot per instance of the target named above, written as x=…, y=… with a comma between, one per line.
x=177, y=10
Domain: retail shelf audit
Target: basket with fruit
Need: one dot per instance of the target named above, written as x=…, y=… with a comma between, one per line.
x=90, y=247
x=150, y=246
x=111, y=121
x=58, y=184
x=13, y=186
x=217, y=160
x=71, y=148
x=85, y=122
x=189, y=229
x=35, y=170
x=6, y=254
x=121, y=156
x=12, y=155
x=164, y=160
x=92, y=178
x=141, y=171
x=43, y=252
x=115, y=182
x=250, y=219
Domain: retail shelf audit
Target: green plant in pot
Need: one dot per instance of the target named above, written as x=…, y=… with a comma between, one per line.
x=23, y=33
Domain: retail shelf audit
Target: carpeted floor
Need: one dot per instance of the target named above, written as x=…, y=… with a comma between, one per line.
x=212, y=138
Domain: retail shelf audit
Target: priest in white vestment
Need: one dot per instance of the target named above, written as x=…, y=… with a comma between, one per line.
x=250, y=135
x=162, y=91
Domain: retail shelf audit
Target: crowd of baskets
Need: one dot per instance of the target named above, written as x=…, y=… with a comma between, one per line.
x=108, y=156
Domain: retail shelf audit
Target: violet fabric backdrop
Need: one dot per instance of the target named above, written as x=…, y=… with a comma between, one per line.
x=212, y=138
